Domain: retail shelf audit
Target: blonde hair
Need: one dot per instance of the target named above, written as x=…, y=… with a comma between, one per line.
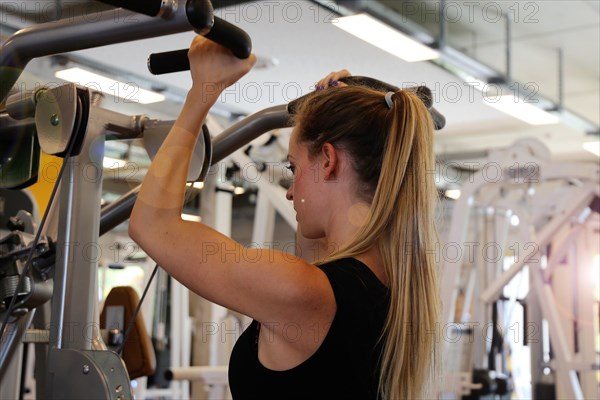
x=392, y=151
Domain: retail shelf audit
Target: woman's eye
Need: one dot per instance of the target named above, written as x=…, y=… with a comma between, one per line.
x=291, y=167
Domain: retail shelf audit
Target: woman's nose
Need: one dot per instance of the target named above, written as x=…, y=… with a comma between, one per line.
x=290, y=193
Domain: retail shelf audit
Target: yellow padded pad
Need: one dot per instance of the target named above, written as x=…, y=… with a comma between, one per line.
x=138, y=353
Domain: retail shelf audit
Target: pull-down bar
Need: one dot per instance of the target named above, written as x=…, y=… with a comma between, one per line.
x=150, y=8
x=221, y=32
x=100, y=29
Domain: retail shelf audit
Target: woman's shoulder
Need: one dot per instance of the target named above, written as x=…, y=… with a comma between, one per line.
x=351, y=278
x=350, y=267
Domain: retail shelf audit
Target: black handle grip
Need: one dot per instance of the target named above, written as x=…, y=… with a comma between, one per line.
x=146, y=7
x=232, y=37
x=200, y=14
x=169, y=61
x=423, y=92
x=222, y=32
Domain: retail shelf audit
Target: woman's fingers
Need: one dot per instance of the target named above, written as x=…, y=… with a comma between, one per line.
x=212, y=63
x=332, y=80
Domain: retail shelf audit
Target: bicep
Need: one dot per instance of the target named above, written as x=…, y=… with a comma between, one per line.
x=266, y=285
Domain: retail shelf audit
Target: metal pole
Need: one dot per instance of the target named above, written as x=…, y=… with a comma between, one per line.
x=84, y=32
x=75, y=289
x=443, y=26
x=11, y=340
x=226, y=143
x=508, y=48
x=561, y=79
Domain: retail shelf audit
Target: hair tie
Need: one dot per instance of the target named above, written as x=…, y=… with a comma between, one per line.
x=388, y=99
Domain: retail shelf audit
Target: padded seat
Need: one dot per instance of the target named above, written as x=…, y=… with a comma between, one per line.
x=138, y=352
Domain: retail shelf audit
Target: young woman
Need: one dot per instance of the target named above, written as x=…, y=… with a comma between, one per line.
x=361, y=322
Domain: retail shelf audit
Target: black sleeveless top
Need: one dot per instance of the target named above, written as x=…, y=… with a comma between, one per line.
x=346, y=365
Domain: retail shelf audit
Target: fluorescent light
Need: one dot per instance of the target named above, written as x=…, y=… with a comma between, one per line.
x=518, y=108
x=190, y=217
x=386, y=38
x=113, y=163
x=130, y=92
x=453, y=194
x=476, y=83
x=592, y=147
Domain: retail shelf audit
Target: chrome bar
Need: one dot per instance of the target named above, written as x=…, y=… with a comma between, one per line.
x=83, y=32
x=230, y=140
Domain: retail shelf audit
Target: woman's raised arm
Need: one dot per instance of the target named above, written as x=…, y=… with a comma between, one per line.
x=264, y=284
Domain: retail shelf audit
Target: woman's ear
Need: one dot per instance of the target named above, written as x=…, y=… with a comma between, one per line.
x=329, y=161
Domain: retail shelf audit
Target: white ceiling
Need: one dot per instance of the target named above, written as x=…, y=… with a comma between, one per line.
x=304, y=40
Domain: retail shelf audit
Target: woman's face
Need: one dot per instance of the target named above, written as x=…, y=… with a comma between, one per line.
x=305, y=189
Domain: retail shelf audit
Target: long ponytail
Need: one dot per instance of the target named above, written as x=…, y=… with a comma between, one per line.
x=401, y=224
x=406, y=245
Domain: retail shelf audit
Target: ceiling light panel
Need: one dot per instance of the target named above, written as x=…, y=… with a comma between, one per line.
x=519, y=108
x=129, y=92
x=386, y=38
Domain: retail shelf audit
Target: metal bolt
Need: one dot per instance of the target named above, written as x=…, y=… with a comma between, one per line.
x=86, y=369
x=19, y=312
x=54, y=120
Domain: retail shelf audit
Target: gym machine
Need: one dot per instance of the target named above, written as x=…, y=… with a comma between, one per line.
x=520, y=214
x=67, y=121
x=51, y=262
